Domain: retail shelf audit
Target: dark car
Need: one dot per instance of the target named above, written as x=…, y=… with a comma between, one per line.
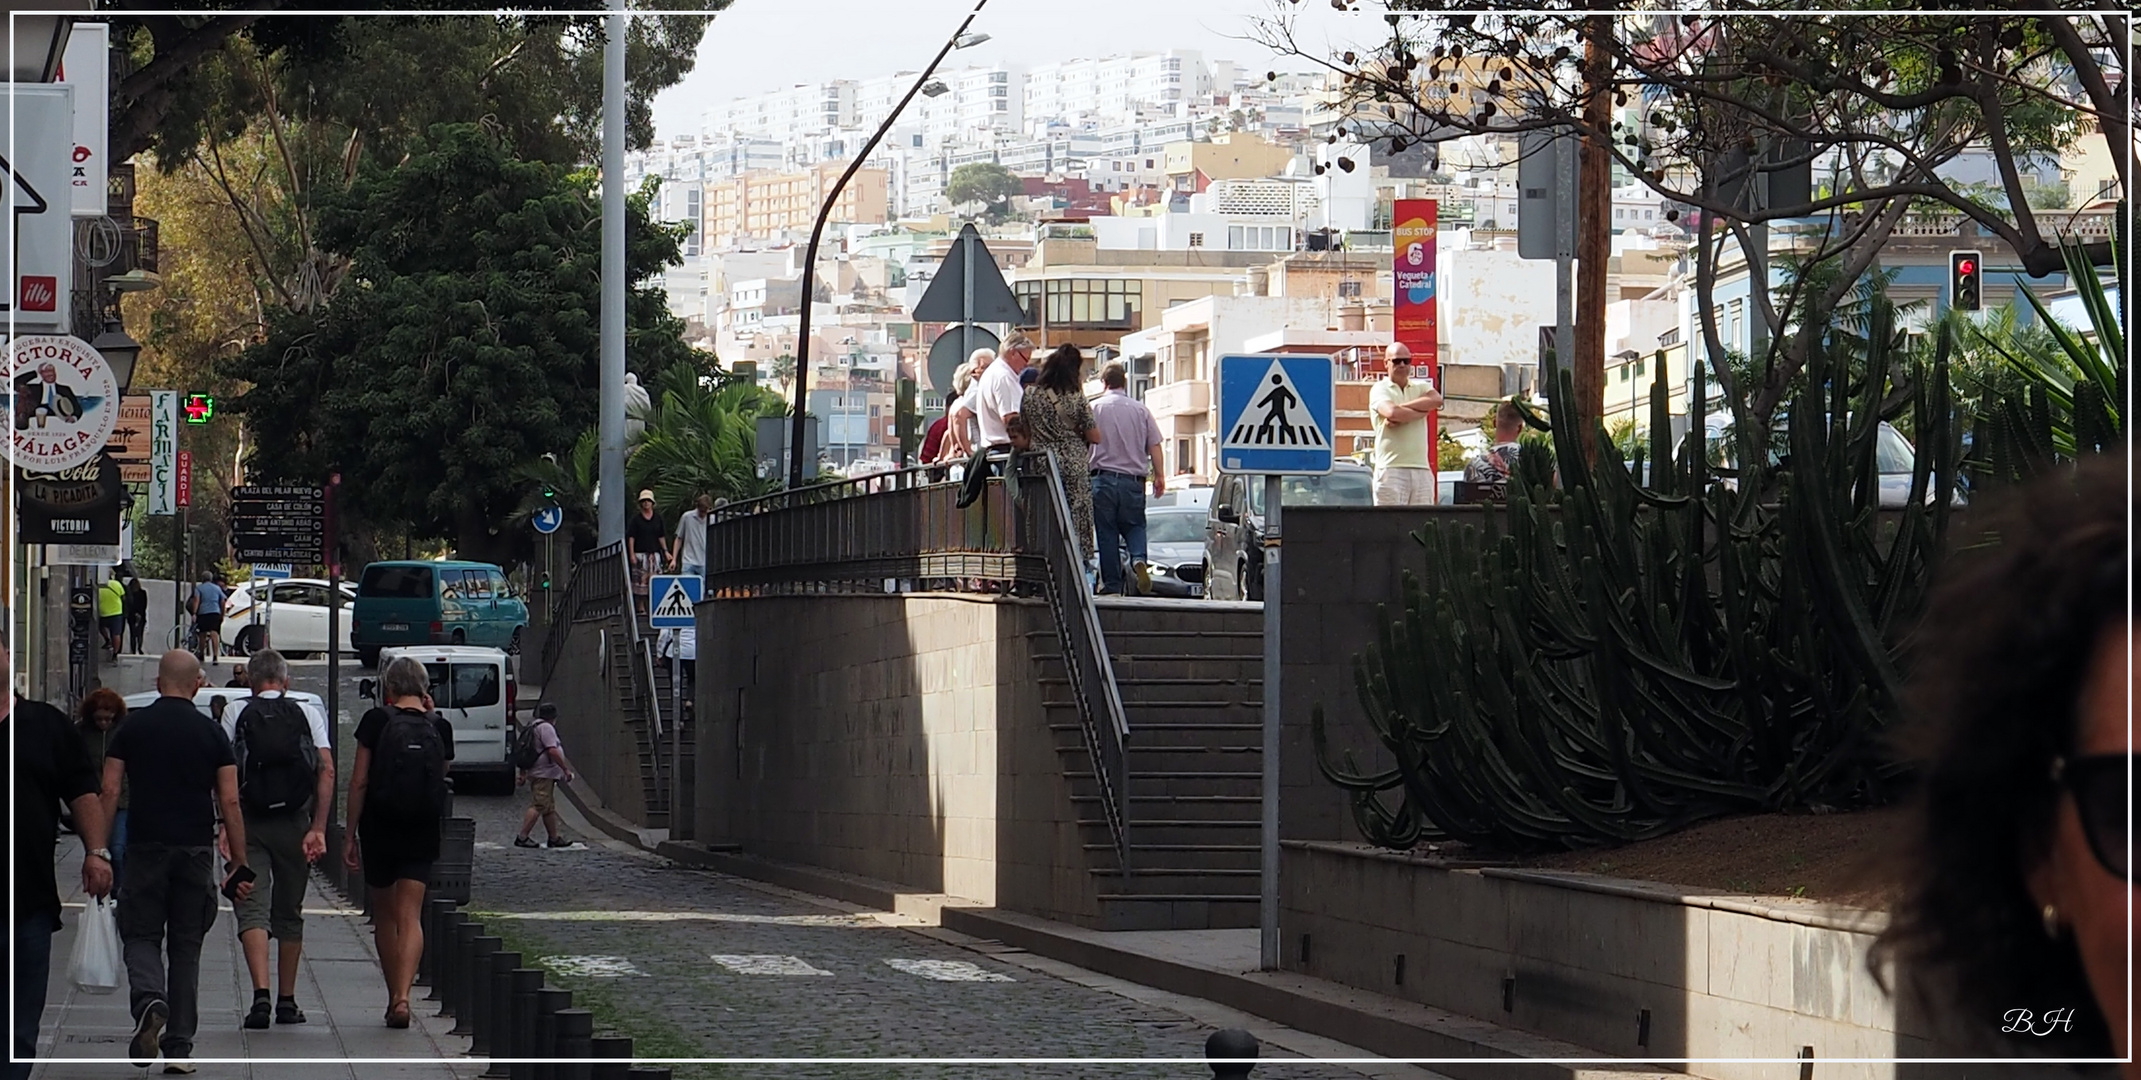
x=1234, y=527
x=1174, y=542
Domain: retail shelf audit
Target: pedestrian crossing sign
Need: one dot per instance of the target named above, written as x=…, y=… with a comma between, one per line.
x=1279, y=414
x=676, y=597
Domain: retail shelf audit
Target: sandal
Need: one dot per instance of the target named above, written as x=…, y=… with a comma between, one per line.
x=398, y=1015
x=287, y=1012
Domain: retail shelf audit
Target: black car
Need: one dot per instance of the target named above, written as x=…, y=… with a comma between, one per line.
x=1234, y=526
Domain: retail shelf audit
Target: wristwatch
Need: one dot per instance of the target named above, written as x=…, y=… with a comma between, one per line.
x=102, y=853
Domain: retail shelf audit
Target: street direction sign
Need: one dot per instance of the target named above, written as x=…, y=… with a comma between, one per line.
x=278, y=523
x=948, y=298
x=675, y=600
x=271, y=571
x=1280, y=414
x=548, y=519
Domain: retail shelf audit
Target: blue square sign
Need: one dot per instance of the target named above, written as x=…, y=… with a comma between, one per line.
x=675, y=599
x=1279, y=413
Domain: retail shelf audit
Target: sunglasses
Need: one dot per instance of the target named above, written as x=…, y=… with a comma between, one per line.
x=2098, y=784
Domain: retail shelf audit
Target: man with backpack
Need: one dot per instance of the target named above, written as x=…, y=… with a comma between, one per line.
x=539, y=757
x=286, y=779
x=397, y=797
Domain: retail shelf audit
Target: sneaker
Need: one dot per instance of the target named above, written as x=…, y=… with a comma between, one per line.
x=179, y=1067
x=1144, y=578
x=287, y=1012
x=257, y=1019
x=522, y=841
x=149, y=1033
x=562, y=842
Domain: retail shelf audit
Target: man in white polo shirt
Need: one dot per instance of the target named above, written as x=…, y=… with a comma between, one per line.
x=994, y=401
x=1399, y=407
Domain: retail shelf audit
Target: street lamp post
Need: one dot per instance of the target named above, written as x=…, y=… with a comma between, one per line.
x=960, y=39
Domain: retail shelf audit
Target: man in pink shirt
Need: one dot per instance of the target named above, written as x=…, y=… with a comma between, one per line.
x=1127, y=454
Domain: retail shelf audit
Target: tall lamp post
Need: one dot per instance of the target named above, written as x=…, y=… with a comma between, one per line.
x=960, y=39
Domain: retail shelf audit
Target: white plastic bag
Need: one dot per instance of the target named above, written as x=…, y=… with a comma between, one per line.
x=98, y=968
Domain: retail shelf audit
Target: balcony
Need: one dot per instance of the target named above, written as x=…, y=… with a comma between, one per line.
x=1179, y=398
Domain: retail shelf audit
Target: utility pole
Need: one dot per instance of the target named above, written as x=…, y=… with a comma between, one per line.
x=609, y=515
x=1594, y=242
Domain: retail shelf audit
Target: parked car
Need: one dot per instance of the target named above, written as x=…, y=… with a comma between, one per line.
x=296, y=621
x=1174, y=549
x=1894, y=458
x=435, y=603
x=1199, y=496
x=474, y=689
x=1234, y=528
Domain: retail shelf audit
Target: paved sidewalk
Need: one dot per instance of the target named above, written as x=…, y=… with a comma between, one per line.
x=339, y=989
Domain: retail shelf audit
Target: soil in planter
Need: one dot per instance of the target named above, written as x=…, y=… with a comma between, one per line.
x=1840, y=858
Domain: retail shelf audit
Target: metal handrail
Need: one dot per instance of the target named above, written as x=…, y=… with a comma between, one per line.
x=1086, y=663
x=586, y=579
x=904, y=526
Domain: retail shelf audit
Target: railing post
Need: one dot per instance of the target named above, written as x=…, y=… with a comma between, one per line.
x=575, y=1043
x=549, y=1001
x=474, y=1020
x=491, y=1011
x=616, y=1054
x=520, y=1022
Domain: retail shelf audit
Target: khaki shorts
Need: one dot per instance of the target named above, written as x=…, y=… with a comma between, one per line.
x=543, y=794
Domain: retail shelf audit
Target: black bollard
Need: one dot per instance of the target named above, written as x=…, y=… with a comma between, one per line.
x=616, y=1054
x=427, y=964
x=520, y=1026
x=575, y=1038
x=455, y=1001
x=495, y=1014
x=442, y=969
x=549, y=1001
x=1235, y=1044
x=475, y=987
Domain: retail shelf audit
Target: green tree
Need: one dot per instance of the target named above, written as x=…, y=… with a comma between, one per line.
x=701, y=438
x=464, y=345
x=987, y=183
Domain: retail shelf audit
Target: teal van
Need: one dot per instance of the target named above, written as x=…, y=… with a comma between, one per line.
x=435, y=603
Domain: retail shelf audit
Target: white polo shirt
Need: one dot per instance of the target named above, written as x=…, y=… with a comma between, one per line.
x=997, y=394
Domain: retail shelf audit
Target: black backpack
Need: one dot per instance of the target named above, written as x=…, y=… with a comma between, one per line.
x=278, y=764
x=408, y=770
x=526, y=750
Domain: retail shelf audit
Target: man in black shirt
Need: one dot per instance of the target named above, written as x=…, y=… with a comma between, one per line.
x=182, y=773
x=647, y=544
x=49, y=767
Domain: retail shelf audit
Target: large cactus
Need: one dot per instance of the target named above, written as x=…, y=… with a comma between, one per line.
x=1631, y=653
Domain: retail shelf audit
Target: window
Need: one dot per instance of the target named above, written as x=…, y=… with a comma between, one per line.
x=1181, y=457
x=463, y=686
x=1196, y=239
x=1624, y=371
x=1638, y=367
x=1087, y=303
x=396, y=582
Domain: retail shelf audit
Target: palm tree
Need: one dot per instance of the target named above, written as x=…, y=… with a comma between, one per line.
x=701, y=437
x=568, y=484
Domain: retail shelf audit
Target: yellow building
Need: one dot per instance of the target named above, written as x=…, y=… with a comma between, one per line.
x=1076, y=292
x=1239, y=155
x=760, y=206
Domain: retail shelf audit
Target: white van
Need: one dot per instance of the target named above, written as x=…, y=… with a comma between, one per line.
x=473, y=688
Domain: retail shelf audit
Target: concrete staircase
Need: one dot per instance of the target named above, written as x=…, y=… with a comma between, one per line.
x=655, y=780
x=1191, y=679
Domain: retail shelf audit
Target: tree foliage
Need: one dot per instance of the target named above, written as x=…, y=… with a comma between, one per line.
x=987, y=183
x=536, y=75
x=465, y=343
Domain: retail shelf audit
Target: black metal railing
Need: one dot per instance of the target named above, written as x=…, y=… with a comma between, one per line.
x=595, y=590
x=904, y=531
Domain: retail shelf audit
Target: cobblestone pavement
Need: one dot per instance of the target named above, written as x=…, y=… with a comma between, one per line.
x=704, y=965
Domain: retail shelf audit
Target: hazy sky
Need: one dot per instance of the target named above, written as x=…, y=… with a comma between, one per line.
x=760, y=45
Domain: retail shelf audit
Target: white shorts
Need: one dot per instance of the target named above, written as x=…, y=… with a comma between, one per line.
x=1404, y=487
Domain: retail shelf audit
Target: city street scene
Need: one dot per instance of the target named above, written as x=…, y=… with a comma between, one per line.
x=966, y=538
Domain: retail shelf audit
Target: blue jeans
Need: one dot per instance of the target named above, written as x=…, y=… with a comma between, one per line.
x=1119, y=522
x=33, y=969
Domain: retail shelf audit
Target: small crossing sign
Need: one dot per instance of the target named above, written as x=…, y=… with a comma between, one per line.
x=1279, y=413
x=271, y=571
x=548, y=519
x=675, y=600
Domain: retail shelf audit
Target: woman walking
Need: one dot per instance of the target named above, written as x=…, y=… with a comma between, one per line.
x=1059, y=418
x=397, y=797
x=98, y=720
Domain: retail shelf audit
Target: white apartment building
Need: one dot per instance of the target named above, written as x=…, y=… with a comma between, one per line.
x=1122, y=89
x=787, y=114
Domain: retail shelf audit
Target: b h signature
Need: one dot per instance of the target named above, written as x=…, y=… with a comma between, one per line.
x=2029, y=1022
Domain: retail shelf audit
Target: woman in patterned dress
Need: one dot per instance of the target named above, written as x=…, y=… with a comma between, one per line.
x=1059, y=418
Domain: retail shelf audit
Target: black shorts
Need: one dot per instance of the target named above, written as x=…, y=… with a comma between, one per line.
x=208, y=624
x=392, y=854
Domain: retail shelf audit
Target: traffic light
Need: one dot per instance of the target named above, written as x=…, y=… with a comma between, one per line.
x=1966, y=280
x=200, y=408
x=546, y=581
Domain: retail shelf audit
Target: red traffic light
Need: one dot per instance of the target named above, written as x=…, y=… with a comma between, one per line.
x=1966, y=266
